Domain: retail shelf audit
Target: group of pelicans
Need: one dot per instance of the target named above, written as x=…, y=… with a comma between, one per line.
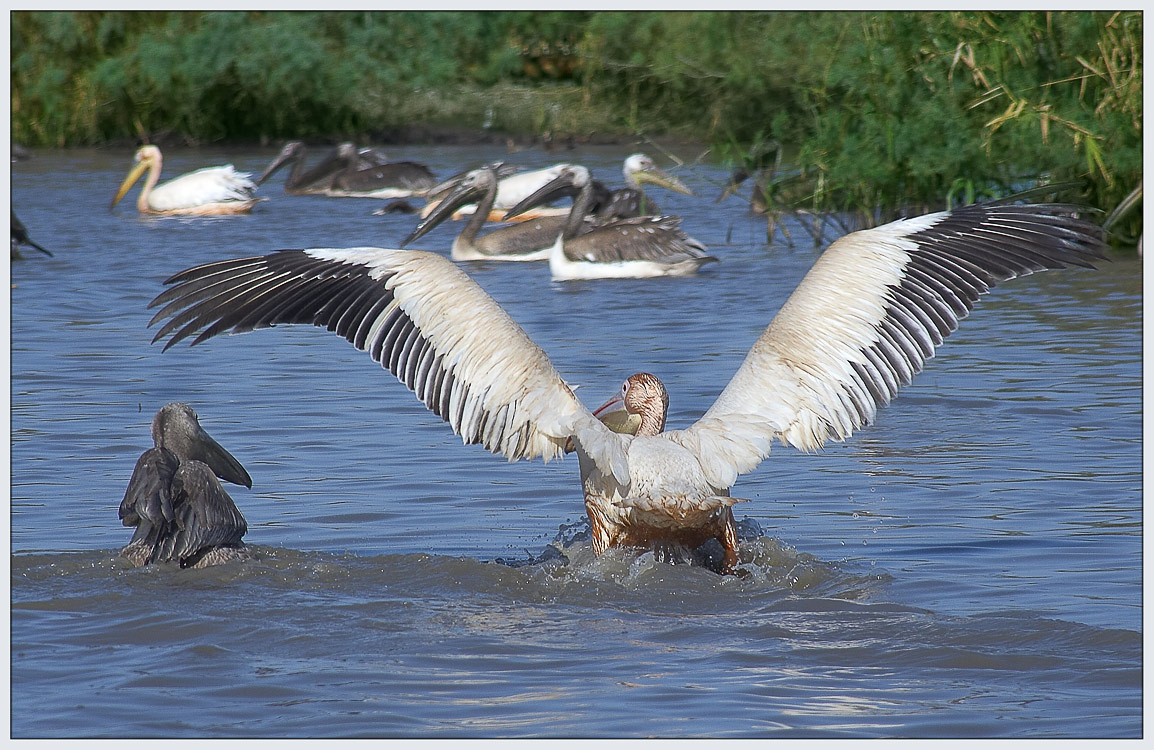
x=604, y=234
x=861, y=324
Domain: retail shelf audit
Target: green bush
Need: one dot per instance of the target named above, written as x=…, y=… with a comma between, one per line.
x=874, y=112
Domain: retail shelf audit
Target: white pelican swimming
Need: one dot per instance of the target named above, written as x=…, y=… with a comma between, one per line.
x=205, y=192
x=639, y=247
x=632, y=200
x=180, y=511
x=511, y=190
x=859, y=325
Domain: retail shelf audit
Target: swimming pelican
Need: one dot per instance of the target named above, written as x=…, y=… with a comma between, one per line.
x=205, y=192
x=299, y=182
x=859, y=325
x=511, y=190
x=532, y=240
x=640, y=247
x=524, y=241
x=398, y=179
x=632, y=200
x=174, y=500
x=20, y=237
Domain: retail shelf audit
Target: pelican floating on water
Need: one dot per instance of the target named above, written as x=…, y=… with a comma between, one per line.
x=640, y=247
x=511, y=190
x=314, y=181
x=398, y=179
x=632, y=200
x=523, y=241
x=205, y=192
x=180, y=511
x=860, y=324
x=532, y=240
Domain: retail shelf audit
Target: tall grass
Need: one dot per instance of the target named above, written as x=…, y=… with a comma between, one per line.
x=875, y=112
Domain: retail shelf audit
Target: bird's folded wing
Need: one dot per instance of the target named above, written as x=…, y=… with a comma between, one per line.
x=867, y=316
x=206, y=516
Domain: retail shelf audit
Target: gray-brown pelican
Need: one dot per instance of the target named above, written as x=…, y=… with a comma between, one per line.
x=180, y=510
x=20, y=237
x=511, y=190
x=641, y=247
x=399, y=179
x=315, y=181
x=860, y=324
x=531, y=240
x=206, y=192
x=524, y=241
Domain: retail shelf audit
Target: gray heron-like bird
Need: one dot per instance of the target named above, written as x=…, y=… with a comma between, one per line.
x=179, y=508
x=861, y=323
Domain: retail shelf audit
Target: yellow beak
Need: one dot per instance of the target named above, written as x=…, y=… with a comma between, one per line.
x=132, y=177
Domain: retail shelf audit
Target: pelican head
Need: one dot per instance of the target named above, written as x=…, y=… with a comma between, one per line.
x=646, y=402
x=467, y=189
x=292, y=150
x=640, y=168
x=572, y=179
x=146, y=158
x=177, y=428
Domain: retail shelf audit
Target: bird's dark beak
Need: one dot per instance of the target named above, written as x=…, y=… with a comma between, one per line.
x=550, y=191
x=460, y=195
x=277, y=163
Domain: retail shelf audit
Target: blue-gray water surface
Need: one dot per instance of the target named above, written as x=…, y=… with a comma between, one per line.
x=968, y=566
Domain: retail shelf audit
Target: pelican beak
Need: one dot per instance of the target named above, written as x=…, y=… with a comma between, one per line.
x=661, y=178
x=438, y=212
x=282, y=159
x=133, y=176
x=222, y=463
x=614, y=416
x=560, y=186
x=177, y=428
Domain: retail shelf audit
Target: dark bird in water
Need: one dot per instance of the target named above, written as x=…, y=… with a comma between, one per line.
x=318, y=178
x=180, y=511
x=398, y=179
x=20, y=237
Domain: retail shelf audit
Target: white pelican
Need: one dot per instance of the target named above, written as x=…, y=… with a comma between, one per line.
x=640, y=247
x=631, y=200
x=205, y=192
x=300, y=182
x=180, y=511
x=861, y=323
x=20, y=237
x=399, y=179
x=511, y=190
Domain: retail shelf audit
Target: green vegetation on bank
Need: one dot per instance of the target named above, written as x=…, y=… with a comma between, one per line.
x=873, y=111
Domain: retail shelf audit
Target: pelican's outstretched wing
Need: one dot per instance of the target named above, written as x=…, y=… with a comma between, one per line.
x=867, y=316
x=423, y=319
